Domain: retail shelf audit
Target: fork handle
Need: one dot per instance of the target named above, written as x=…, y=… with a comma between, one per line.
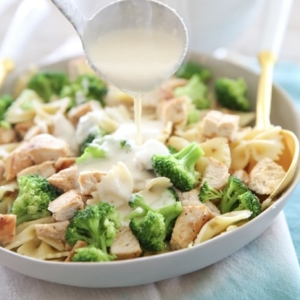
x=6, y=66
x=267, y=60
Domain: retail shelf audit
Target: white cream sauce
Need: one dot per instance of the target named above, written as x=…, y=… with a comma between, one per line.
x=136, y=60
x=150, y=129
x=137, y=159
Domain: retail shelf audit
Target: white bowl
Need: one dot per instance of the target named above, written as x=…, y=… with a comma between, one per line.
x=159, y=267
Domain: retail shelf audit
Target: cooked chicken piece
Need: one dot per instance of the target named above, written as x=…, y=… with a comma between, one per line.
x=78, y=111
x=216, y=174
x=215, y=123
x=45, y=169
x=188, y=225
x=55, y=231
x=265, y=176
x=165, y=133
x=66, y=179
x=64, y=163
x=78, y=66
x=189, y=198
x=125, y=245
x=173, y=110
x=192, y=198
x=88, y=181
x=160, y=94
x=16, y=161
x=2, y=170
x=45, y=147
x=175, y=82
x=7, y=229
x=213, y=209
x=242, y=175
x=7, y=136
x=79, y=244
x=22, y=128
x=64, y=207
x=34, y=131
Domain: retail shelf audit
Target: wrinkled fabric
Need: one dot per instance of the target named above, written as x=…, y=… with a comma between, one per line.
x=287, y=75
x=264, y=269
x=267, y=268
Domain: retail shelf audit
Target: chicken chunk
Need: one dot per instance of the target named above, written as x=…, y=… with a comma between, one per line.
x=55, y=231
x=216, y=174
x=152, y=99
x=78, y=244
x=7, y=229
x=125, y=245
x=45, y=169
x=189, y=198
x=174, y=82
x=88, y=181
x=66, y=179
x=188, y=225
x=16, y=161
x=23, y=127
x=34, y=131
x=7, y=136
x=265, y=176
x=173, y=110
x=45, y=147
x=215, y=123
x=242, y=175
x=64, y=163
x=65, y=206
x=2, y=170
x=78, y=111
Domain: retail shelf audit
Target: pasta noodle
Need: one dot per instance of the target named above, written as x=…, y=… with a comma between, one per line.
x=116, y=187
x=219, y=224
x=38, y=249
x=24, y=107
x=217, y=148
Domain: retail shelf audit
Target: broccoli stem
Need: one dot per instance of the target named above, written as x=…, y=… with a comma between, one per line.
x=25, y=217
x=170, y=212
x=102, y=244
x=189, y=155
x=138, y=203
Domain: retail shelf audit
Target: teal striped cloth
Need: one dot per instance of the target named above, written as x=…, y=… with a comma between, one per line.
x=287, y=75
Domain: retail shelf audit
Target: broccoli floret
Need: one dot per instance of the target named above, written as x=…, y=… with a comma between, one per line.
x=92, y=150
x=179, y=167
x=150, y=231
x=96, y=224
x=193, y=116
x=207, y=193
x=91, y=253
x=231, y=93
x=47, y=84
x=125, y=145
x=197, y=91
x=90, y=138
x=152, y=227
x=249, y=201
x=189, y=69
x=5, y=102
x=170, y=193
x=99, y=148
x=172, y=150
x=86, y=87
x=35, y=194
x=233, y=189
